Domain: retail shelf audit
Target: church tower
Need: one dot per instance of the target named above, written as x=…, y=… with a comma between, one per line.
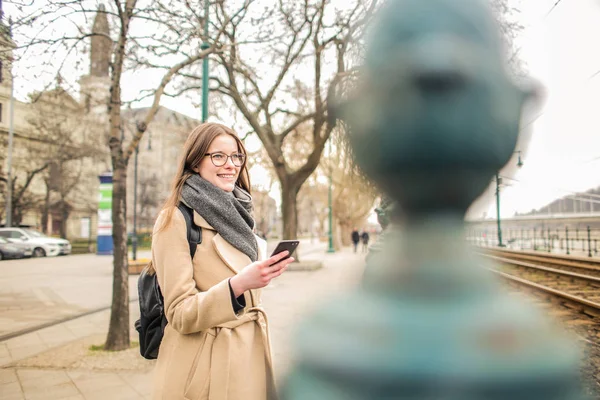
x=95, y=86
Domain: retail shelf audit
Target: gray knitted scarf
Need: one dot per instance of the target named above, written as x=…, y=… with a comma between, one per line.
x=229, y=213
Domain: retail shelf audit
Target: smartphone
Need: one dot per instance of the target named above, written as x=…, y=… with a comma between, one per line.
x=289, y=245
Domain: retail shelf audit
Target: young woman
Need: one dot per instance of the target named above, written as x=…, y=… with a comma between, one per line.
x=216, y=343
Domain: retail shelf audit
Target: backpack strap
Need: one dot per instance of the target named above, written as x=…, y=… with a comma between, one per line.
x=194, y=232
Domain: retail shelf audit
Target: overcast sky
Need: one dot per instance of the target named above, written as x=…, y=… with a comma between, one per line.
x=561, y=51
x=561, y=147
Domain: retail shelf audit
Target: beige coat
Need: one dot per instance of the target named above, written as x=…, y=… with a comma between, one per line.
x=208, y=351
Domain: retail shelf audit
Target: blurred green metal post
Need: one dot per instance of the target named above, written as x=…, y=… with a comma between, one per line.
x=330, y=249
x=205, y=46
x=498, y=210
x=589, y=242
x=134, y=238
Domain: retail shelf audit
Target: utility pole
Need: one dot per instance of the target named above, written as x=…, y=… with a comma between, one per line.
x=498, y=181
x=330, y=249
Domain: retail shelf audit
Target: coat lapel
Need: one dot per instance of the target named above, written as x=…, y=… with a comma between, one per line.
x=262, y=248
x=232, y=257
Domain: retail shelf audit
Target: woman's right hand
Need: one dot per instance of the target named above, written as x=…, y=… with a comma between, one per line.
x=258, y=274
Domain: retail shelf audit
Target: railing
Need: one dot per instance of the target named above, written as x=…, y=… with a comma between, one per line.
x=567, y=240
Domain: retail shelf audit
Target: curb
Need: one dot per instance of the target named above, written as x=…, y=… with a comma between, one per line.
x=305, y=266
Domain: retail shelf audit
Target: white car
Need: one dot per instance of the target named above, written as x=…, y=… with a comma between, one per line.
x=42, y=244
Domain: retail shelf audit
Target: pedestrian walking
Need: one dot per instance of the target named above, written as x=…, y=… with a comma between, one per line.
x=364, y=237
x=216, y=342
x=355, y=238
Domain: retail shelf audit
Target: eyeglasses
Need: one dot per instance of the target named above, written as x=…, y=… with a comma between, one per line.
x=219, y=158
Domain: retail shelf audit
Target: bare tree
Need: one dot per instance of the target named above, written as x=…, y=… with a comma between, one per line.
x=148, y=200
x=353, y=193
x=510, y=28
x=22, y=199
x=65, y=138
x=164, y=37
x=288, y=86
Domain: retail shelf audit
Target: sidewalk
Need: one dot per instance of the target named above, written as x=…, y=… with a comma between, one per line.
x=56, y=363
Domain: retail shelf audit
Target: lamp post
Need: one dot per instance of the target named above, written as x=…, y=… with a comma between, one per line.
x=498, y=182
x=330, y=249
x=205, y=46
x=11, y=130
x=134, y=239
x=135, y=181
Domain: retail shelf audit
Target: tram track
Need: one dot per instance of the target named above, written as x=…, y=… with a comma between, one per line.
x=568, y=290
x=573, y=281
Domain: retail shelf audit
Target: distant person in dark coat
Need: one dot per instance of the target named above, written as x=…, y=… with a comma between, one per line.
x=355, y=238
x=365, y=241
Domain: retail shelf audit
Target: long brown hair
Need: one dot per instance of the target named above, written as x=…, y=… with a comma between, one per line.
x=194, y=149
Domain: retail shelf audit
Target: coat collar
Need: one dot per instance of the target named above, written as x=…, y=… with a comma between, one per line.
x=201, y=222
x=235, y=259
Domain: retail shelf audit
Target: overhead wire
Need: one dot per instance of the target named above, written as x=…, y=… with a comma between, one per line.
x=552, y=9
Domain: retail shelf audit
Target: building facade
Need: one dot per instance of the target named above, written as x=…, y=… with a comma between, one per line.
x=60, y=148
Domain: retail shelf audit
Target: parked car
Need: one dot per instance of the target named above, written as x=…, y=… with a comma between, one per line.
x=42, y=245
x=10, y=250
x=25, y=246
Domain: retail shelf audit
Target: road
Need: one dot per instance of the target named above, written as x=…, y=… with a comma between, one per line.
x=38, y=291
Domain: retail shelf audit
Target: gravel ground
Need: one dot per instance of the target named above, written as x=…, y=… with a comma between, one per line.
x=585, y=328
x=77, y=355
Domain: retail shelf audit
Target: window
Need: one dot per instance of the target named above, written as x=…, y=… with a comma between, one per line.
x=1, y=72
x=0, y=112
x=10, y=233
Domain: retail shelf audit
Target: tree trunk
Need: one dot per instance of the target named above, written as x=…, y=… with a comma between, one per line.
x=16, y=212
x=118, y=330
x=46, y=210
x=64, y=216
x=289, y=209
x=346, y=233
x=337, y=236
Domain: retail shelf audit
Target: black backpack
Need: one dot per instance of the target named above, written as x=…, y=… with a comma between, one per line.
x=152, y=322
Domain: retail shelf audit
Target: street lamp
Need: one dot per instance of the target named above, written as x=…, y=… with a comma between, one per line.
x=205, y=46
x=498, y=182
x=330, y=249
x=11, y=132
x=134, y=239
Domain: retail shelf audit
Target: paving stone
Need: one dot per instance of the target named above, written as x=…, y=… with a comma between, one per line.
x=140, y=382
x=59, y=391
x=4, y=350
x=92, y=381
x=8, y=376
x=122, y=392
x=24, y=340
x=5, y=361
x=32, y=377
x=11, y=391
x=19, y=353
x=302, y=291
